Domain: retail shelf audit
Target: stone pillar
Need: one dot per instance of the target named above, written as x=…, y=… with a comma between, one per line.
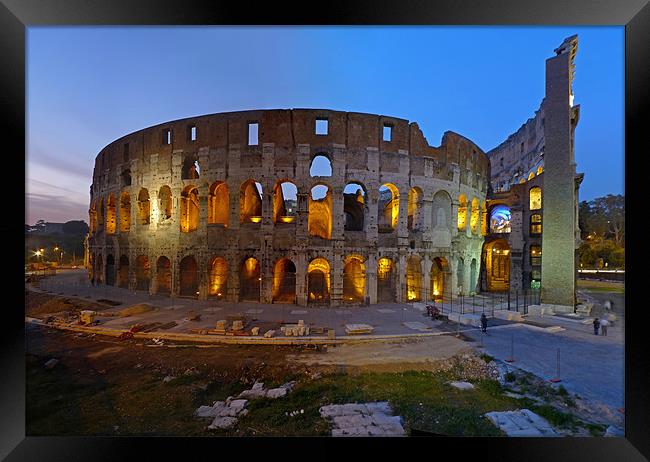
x=301, y=279
x=426, y=279
x=401, y=278
x=336, y=275
x=203, y=275
x=371, y=277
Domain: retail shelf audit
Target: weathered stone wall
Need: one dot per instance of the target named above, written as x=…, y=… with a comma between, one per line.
x=287, y=144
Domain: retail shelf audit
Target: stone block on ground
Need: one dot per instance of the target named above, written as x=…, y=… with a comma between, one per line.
x=521, y=422
x=269, y=333
x=222, y=422
x=462, y=385
x=356, y=329
x=255, y=331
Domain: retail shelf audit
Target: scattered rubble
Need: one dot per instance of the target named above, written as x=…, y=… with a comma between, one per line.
x=168, y=378
x=462, y=385
x=521, y=422
x=255, y=331
x=355, y=329
x=258, y=391
x=296, y=330
x=269, y=333
x=223, y=413
x=369, y=419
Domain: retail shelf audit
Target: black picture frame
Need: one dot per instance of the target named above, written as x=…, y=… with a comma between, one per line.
x=17, y=15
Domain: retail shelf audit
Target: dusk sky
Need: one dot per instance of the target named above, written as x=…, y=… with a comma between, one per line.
x=87, y=86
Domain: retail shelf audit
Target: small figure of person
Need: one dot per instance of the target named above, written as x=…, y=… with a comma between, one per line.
x=603, y=327
x=596, y=326
x=483, y=323
x=607, y=305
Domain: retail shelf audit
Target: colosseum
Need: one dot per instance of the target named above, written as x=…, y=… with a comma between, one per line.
x=298, y=206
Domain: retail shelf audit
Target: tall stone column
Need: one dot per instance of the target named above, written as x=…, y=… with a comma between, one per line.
x=301, y=279
x=426, y=279
x=371, y=277
x=401, y=279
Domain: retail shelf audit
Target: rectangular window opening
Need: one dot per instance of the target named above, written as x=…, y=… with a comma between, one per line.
x=167, y=136
x=253, y=134
x=321, y=126
x=191, y=133
x=388, y=133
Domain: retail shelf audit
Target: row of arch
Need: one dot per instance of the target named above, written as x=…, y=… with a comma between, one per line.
x=320, y=208
x=318, y=283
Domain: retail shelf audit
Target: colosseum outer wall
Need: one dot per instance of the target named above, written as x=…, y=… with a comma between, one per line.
x=197, y=152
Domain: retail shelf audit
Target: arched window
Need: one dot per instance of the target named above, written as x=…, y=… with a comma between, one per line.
x=319, y=222
x=535, y=198
x=531, y=175
x=111, y=214
x=441, y=210
x=414, y=221
x=250, y=202
x=462, y=212
x=189, y=209
x=437, y=278
x=388, y=204
x=191, y=169
x=165, y=203
x=385, y=280
x=536, y=224
x=125, y=212
x=535, y=255
x=354, y=199
x=144, y=207
x=540, y=170
x=413, y=279
x=189, y=277
x=285, y=202
x=218, y=204
x=320, y=166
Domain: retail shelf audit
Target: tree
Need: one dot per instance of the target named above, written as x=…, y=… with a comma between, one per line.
x=77, y=227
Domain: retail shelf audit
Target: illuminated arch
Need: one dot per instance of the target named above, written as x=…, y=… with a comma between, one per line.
x=285, y=202
x=284, y=281
x=319, y=222
x=218, y=286
x=111, y=214
x=354, y=279
x=496, y=261
x=385, y=280
x=144, y=207
x=218, y=203
x=462, y=212
x=413, y=279
x=125, y=212
x=531, y=175
x=535, y=198
x=318, y=281
x=250, y=202
x=415, y=209
x=250, y=280
x=189, y=209
x=439, y=268
x=388, y=204
x=165, y=203
x=142, y=272
x=474, y=216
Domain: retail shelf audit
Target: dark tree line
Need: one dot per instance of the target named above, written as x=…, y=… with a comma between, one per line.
x=602, y=226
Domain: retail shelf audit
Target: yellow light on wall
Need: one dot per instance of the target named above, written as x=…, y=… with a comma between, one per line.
x=256, y=219
x=287, y=219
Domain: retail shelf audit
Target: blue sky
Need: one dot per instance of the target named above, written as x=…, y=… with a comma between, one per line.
x=87, y=86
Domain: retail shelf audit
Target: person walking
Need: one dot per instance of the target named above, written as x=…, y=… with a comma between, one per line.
x=607, y=305
x=603, y=327
x=483, y=323
x=596, y=326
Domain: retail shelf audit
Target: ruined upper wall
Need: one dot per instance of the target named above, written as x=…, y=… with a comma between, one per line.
x=520, y=155
x=289, y=128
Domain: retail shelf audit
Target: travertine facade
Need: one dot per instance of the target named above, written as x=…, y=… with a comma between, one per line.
x=177, y=208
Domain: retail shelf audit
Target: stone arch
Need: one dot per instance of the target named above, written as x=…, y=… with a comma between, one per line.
x=165, y=203
x=474, y=216
x=144, y=207
x=462, y=212
x=218, y=203
x=318, y=281
x=285, y=202
x=142, y=272
x=284, y=281
x=190, y=169
x=110, y=270
x=439, y=270
x=189, y=209
x=414, y=279
x=189, y=277
x=250, y=280
x=354, y=279
x=123, y=272
x=386, y=280
x=250, y=202
x=441, y=210
x=354, y=206
x=415, y=199
x=111, y=214
x=319, y=222
x=496, y=261
x=388, y=208
x=321, y=165
x=125, y=212
x=164, y=275
x=218, y=286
